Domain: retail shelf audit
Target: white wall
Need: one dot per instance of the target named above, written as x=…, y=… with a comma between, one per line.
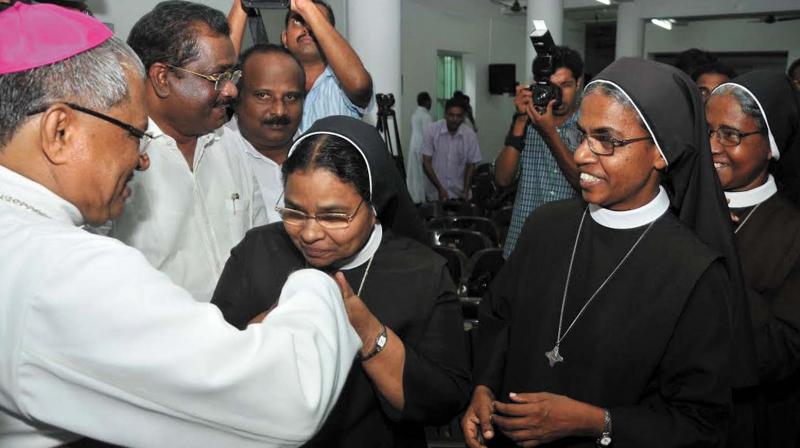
x=124, y=14
x=477, y=29
x=726, y=35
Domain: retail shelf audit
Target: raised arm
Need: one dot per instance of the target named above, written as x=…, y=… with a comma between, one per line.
x=347, y=66
x=237, y=19
x=506, y=163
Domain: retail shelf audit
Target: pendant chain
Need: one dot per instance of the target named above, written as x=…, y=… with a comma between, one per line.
x=553, y=355
x=364, y=277
x=747, y=217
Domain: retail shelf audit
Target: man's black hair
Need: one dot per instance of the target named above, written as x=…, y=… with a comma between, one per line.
x=713, y=67
x=566, y=57
x=169, y=32
x=793, y=67
x=455, y=102
x=690, y=60
x=272, y=49
x=331, y=17
x=422, y=98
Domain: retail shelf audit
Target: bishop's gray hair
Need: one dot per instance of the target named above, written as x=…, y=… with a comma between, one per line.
x=95, y=79
x=746, y=101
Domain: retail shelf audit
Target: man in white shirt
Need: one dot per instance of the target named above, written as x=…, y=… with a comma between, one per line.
x=415, y=175
x=268, y=112
x=197, y=201
x=94, y=341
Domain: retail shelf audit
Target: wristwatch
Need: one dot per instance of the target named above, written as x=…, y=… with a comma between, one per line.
x=605, y=438
x=380, y=343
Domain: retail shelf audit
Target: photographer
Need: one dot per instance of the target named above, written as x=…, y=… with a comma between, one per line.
x=336, y=81
x=540, y=143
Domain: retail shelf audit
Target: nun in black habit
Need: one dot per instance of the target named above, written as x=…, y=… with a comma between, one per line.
x=615, y=318
x=754, y=123
x=347, y=211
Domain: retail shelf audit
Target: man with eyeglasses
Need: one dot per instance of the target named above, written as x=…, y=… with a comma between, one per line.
x=540, y=144
x=95, y=342
x=198, y=200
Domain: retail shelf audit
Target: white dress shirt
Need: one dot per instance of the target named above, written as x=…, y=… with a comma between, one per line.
x=94, y=341
x=415, y=175
x=186, y=221
x=267, y=172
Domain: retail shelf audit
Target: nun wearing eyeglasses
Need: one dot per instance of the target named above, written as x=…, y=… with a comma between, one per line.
x=347, y=212
x=613, y=321
x=754, y=123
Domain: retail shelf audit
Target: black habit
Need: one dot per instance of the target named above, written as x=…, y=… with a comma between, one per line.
x=645, y=348
x=662, y=343
x=408, y=288
x=768, y=415
x=769, y=244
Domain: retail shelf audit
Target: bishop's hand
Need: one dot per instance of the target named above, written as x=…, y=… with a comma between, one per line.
x=532, y=419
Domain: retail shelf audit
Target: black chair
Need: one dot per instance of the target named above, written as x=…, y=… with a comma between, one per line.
x=478, y=223
x=502, y=217
x=468, y=241
x=456, y=263
x=483, y=267
x=483, y=189
x=430, y=210
x=455, y=207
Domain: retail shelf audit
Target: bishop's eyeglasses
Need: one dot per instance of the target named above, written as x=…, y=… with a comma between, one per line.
x=143, y=136
x=604, y=145
x=330, y=221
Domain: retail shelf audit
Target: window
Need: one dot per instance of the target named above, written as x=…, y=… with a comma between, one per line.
x=449, y=78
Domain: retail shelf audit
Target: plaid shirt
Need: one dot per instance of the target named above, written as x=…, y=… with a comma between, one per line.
x=540, y=180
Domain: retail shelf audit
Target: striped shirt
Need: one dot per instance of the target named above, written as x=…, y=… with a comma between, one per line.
x=540, y=179
x=327, y=98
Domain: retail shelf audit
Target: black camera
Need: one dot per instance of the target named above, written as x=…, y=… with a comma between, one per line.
x=266, y=4
x=385, y=102
x=543, y=67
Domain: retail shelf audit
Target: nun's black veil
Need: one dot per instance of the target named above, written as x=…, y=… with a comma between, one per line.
x=671, y=106
x=781, y=105
x=393, y=204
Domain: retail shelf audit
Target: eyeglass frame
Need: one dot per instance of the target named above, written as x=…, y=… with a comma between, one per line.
x=739, y=134
x=615, y=142
x=143, y=136
x=349, y=217
x=217, y=78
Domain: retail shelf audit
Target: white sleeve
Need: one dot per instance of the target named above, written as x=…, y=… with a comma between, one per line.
x=111, y=349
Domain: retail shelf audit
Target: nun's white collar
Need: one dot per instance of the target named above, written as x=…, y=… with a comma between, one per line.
x=754, y=196
x=629, y=219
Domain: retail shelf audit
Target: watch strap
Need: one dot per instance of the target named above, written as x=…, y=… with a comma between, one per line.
x=380, y=344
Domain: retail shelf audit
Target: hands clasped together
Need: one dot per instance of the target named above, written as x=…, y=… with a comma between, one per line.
x=530, y=419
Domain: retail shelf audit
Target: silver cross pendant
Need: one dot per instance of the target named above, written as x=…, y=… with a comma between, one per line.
x=553, y=356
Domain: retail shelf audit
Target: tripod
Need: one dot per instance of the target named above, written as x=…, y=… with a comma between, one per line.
x=386, y=111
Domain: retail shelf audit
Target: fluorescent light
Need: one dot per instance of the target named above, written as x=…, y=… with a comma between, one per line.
x=605, y=2
x=666, y=24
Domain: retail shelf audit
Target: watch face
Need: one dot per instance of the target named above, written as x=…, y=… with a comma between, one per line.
x=605, y=441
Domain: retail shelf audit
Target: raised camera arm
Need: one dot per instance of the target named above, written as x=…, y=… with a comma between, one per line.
x=254, y=22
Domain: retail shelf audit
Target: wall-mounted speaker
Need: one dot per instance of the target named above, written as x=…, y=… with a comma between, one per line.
x=502, y=78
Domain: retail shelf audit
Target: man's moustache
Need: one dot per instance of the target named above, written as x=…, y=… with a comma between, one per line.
x=279, y=120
